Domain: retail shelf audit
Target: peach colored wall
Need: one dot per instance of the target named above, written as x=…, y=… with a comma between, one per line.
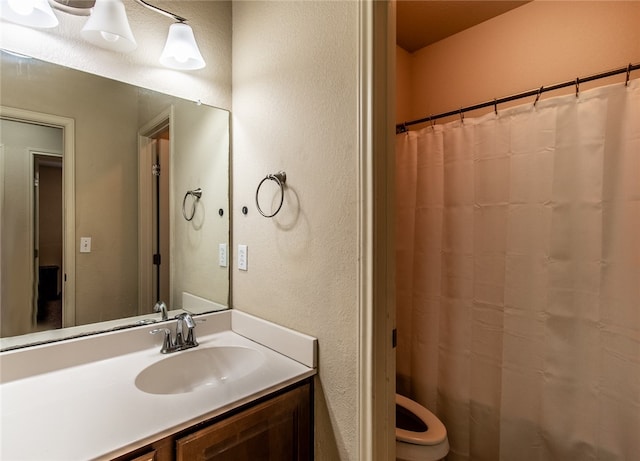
x=540, y=43
x=403, y=85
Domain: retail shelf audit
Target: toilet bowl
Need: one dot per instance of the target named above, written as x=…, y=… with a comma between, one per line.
x=420, y=435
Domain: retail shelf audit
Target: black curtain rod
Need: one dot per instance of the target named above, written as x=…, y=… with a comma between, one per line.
x=402, y=127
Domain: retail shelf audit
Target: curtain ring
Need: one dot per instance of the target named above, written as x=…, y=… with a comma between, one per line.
x=280, y=178
x=495, y=106
x=626, y=83
x=196, y=194
x=538, y=96
x=577, y=86
x=461, y=115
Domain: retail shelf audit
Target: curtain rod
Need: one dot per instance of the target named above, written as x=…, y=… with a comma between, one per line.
x=402, y=127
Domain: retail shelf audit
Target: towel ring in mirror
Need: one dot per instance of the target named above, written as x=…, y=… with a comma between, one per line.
x=196, y=194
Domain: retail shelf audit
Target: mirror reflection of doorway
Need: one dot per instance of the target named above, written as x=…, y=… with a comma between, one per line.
x=32, y=222
x=160, y=207
x=154, y=239
x=48, y=240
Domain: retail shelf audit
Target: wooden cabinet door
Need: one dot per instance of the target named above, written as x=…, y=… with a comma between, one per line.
x=278, y=429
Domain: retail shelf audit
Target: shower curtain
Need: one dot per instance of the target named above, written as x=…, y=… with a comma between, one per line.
x=518, y=278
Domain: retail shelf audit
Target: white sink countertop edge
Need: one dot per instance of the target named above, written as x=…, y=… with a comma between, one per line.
x=88, y=407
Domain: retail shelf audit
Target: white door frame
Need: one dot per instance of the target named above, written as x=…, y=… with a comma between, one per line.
x=68, y=198
x=376, y=228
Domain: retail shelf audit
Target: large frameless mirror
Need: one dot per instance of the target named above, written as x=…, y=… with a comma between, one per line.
x=114, y=198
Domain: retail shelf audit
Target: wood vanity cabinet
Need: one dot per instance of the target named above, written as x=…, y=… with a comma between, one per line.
x=275, y=428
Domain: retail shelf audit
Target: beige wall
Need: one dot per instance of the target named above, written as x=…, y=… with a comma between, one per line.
x=295, y=108
x=540, y=43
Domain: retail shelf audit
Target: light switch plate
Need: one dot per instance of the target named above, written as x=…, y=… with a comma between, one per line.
x=222, y=255
x=242, y=258
x=85, y=244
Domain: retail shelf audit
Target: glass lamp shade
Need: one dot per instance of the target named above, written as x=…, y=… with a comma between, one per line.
x=181, y=50
x=33, y=13
x=108, y=27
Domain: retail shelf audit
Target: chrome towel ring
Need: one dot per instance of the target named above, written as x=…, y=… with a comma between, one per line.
x=196, y=194
x=280, y=178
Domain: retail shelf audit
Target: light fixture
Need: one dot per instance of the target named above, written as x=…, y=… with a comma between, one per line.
x=33, y=13
x=108, y=27
x=180, y=50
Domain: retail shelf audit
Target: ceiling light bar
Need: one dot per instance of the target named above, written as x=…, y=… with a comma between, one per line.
x=108, y=27
x=161, y=11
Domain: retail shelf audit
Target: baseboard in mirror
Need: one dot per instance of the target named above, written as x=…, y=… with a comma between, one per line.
x=197, y=305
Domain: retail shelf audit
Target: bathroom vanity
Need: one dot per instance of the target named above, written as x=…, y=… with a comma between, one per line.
x=244, y=392
x=276, y=427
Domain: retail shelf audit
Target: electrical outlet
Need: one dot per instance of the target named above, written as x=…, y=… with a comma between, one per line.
x=85, y=244
x=242, y=258
x=222, y=255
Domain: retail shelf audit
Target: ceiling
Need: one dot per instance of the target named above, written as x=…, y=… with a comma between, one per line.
x=422, y=22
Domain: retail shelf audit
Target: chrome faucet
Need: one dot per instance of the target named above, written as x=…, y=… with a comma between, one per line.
x=181, y=341
x=161, y=307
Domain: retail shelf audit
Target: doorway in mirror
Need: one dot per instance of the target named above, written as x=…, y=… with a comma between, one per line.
x=31, y=234
x=154, y=235
x=47, y=209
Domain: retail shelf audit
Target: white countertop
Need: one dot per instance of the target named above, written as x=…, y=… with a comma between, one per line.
x=94, y=410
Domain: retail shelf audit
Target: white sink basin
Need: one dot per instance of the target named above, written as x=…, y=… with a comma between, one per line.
x=199, y=368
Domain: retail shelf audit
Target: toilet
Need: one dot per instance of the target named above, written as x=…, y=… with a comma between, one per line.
x=420, y=435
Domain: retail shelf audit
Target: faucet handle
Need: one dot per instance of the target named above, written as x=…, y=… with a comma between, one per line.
x=186, y=318
x=166, y=343
x=191, y=333
x=191, y=337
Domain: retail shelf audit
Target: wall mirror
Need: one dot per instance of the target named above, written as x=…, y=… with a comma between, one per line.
x=113, y=197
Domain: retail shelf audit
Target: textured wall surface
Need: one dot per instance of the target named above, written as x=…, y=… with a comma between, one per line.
x=295, y=109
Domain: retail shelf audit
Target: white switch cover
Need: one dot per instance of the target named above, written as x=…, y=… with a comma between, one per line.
x=222, y=255
x=242, y=257
x=85, y=244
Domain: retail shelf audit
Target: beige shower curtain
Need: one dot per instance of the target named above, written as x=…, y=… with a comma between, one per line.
x=518, y=265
